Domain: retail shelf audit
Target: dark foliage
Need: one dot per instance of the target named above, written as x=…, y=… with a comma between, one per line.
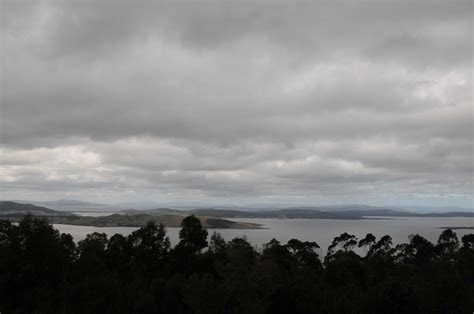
x=43, y=271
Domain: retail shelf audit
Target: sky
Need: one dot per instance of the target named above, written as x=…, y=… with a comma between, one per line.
x=237, y=102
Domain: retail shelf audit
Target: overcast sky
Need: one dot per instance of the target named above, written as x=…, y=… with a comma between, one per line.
x=320, y=102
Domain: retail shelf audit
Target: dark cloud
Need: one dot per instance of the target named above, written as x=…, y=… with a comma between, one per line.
x=322, y=101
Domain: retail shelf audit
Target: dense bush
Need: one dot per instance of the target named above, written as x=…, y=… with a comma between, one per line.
x=43, y=271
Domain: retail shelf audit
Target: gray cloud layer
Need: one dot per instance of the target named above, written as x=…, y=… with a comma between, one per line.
x=310, y=102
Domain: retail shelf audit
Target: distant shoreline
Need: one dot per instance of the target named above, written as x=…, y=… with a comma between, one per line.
x=211, y=218
x=458, y=228
x=138, y=221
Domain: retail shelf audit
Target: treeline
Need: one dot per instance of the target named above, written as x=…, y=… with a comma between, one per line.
x=43, y=271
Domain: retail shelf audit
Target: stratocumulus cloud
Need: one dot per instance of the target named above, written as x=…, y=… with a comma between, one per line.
x=323, y=102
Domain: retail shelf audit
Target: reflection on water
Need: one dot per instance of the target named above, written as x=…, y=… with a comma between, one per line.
x=320, y=230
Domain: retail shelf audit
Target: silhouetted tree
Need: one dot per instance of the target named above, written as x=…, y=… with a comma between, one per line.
x=217, y=244
x=345, y=242
x=448, y=244
x=419, y=250
x=192, y=235
x=305, y=254
x=43, y=271
x=367, y=242
x=382, y=248
x=468, y=241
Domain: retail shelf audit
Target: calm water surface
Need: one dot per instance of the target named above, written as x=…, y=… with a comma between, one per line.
x=94, y=214
x=322, y=231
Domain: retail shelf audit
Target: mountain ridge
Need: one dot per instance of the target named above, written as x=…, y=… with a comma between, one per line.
x=352, y=211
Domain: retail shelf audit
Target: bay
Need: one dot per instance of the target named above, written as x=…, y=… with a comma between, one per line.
x=322, y=231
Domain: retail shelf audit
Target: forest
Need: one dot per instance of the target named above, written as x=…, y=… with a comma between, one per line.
x=44, y=271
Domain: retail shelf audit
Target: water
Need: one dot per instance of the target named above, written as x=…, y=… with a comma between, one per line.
x=94, y=214
x=323, y=231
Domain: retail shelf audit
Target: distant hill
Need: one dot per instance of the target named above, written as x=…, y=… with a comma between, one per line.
x=433, y=209
x=282, y=213
x=67, y=202
x=153, y=207
x=69, y=205
x=137, y=205
x=308, y=213
x=171, y=217
x=140, y=220
x=63, y=203
x=156, y=211
x=8, y=208
x=14, y=211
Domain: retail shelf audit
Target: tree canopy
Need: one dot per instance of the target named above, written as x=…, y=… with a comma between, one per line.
x=43, y=271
